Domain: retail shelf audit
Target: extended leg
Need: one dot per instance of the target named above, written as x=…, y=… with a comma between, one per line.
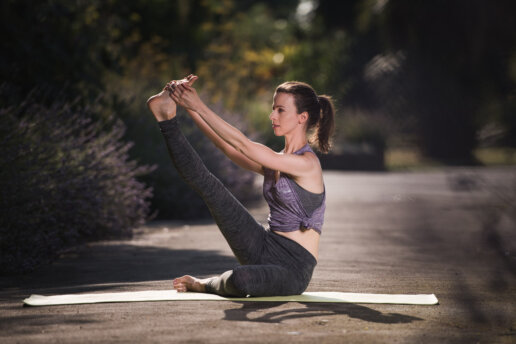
x=243, y=233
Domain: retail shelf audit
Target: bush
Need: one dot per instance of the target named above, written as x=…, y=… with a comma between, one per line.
x=65, y=179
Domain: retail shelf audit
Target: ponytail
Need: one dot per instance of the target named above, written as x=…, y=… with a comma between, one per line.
x=326, y=124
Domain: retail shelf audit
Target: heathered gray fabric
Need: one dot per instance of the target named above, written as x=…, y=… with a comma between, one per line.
x=309, y=200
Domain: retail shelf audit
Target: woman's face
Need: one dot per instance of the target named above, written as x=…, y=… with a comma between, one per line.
x=284, y=114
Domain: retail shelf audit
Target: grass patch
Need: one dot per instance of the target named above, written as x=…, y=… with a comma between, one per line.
x=407, y=159
x=410, y=158
x=496, y=156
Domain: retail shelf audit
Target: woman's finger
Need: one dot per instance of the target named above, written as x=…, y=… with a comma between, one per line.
x=174, y=98
x=177, y=97
x=185, y=88
x=178, y=90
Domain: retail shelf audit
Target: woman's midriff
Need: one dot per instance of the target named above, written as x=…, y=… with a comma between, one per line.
x=308, y=238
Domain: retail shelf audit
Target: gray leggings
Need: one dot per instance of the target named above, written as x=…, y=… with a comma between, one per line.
x=271, y=263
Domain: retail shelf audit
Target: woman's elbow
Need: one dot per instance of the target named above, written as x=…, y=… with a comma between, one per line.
x=243, y=146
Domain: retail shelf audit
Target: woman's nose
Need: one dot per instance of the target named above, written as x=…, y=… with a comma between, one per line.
x=271, y=116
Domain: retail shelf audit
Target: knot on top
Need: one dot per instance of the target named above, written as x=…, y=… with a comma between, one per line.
x=306, y=223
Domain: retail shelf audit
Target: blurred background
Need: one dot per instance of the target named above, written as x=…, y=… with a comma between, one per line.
x=417, y=84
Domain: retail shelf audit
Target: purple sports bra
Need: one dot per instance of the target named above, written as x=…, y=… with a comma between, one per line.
x=287, y=213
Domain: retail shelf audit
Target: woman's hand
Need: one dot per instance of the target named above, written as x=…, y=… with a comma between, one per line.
x=190, y=79
x=184, y=94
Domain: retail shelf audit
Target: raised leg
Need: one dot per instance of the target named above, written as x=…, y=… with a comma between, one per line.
x=242, y=232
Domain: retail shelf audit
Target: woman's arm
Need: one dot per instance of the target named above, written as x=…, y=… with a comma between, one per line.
x=235, y=156
x=295, y=165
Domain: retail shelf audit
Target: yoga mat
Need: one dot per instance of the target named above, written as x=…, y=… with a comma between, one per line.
x=172, y=295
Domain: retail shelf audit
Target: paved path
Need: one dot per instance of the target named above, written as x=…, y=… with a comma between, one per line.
x=449, y=232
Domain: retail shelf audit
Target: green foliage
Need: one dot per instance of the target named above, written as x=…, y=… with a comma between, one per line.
x=65, y=179
x=247, y=57
x=126, y=51
x=430, y=67
x=431, y=70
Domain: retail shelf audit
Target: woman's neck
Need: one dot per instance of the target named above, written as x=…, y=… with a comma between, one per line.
x=294, y=143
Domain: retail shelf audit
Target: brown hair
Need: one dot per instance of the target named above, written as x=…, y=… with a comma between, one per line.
x=320, y=109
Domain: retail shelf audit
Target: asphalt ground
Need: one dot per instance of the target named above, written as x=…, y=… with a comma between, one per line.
x=451, y=232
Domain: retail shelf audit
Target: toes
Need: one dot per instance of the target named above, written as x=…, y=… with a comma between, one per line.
x=178, y=280
x=178, y=285
x=183, y=283
x=180, y=288
x=181, y=280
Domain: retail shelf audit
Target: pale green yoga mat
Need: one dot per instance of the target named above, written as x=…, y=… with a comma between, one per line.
x=172, y=295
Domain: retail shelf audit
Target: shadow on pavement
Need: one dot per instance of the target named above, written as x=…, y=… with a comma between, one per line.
x=312, y=310
x=33, y=323
x=472, y=239
x=109, y=265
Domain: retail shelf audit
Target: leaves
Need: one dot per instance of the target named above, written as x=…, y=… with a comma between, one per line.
x=65, y=179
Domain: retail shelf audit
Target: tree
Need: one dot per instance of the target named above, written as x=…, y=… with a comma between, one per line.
x=456, y=60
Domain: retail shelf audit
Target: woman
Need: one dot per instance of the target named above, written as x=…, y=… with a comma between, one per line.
x=278, y=260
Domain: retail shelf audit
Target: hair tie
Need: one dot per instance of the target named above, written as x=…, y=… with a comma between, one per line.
x=321, y=114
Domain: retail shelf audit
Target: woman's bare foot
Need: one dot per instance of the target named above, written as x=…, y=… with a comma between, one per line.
x=162, y=106
x=189, y=283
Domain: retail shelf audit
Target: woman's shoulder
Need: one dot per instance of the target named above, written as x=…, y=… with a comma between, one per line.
x=308, y=153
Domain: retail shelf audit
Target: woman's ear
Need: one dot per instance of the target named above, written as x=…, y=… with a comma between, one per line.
x=302, y=117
